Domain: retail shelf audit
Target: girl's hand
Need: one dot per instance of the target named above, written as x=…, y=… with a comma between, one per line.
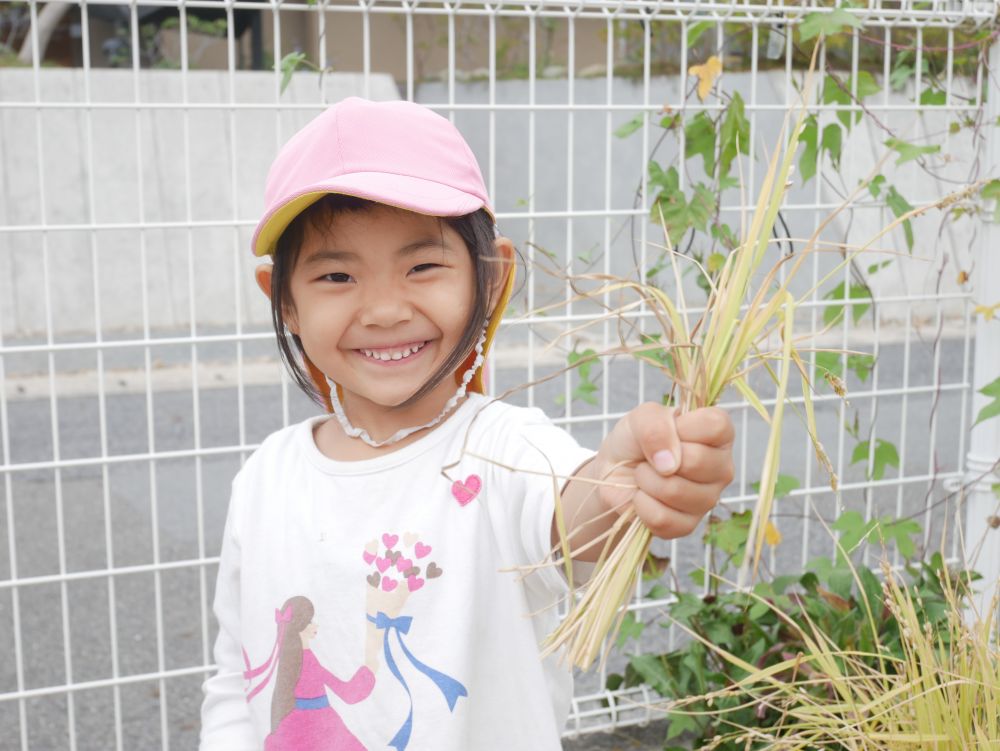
x=679, y=464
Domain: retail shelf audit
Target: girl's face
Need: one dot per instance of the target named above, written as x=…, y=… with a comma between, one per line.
x=380, y=301
x=308, y=634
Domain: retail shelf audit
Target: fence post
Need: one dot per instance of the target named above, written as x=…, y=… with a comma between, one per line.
x=982, y=538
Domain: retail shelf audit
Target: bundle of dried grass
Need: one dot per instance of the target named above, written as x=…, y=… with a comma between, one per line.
x=744, y=314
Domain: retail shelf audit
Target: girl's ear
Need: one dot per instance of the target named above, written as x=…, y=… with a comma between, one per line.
x=505, y=254
x=263, y=276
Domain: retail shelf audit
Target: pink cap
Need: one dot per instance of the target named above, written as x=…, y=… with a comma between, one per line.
x=397, y=153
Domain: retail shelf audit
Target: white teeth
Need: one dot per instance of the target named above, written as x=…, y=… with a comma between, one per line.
x=387, y=356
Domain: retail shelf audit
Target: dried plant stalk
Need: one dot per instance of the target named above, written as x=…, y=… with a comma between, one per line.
x=704, y=359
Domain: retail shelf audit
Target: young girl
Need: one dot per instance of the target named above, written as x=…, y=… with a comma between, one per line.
x=403, y=517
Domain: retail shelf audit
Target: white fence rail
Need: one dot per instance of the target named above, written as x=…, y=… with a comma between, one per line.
x=137, y=369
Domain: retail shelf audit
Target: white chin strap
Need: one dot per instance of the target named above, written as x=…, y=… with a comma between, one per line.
x=353, y=432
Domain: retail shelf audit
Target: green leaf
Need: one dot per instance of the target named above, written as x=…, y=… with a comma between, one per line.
x=992, y=409
x=670, y=201
x=729, y=535
x=862, y=365
x=932, y=97
x=810, y=152
x=877, y=267
x=701, y=207
x=871, y=590
x=832, y=141
x=695, y=32
x=659, y=354
x=725, y=235
x=289, y=64
x=669, y=122
x=630, y=629
x=624, y=131
x=995, y=487
x=699, y=135
x=908, y=152
x=585, y=392
x=679, y=723
x=653, y=671
x=825, y=24
x=900, y=206
x=668, y=180
x=582, y=361
x=901, y=73
x=853, y=529
x=856, y=292
x=991, y=191
x=658, y=592
x=828, y=362
x=734, y=135
x=834, y=93
x=885, y=454
x=875, y=186
x=902, y=532
x=783, y=485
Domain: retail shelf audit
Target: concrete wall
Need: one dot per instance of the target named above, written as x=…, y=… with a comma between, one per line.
x=138, y=173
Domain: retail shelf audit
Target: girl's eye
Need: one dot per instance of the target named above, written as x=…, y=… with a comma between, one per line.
x=337, y=278
x=425, y=267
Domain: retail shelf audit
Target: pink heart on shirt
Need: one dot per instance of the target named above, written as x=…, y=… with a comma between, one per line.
x=382, y=564
x=403, y=563
x=421, y=550
x=369, y=557
x=414, y=583
x=390, y=540
x=466, y=491
x=388, y=583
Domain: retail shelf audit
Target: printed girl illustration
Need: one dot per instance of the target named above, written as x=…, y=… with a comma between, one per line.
x=301, y=716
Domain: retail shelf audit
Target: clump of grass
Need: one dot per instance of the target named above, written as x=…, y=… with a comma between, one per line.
x=943, y=693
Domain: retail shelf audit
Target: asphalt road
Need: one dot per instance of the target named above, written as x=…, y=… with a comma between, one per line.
x=126, y=514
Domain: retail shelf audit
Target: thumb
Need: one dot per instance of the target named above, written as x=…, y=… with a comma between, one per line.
x=654, y=433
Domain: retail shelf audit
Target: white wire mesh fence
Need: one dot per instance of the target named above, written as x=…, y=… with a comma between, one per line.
x=136, y=361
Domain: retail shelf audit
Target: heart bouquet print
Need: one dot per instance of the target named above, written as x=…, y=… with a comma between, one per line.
x=394, y=565
x=398, y=566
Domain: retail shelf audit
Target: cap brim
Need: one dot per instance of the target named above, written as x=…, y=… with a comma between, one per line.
x=402, y=191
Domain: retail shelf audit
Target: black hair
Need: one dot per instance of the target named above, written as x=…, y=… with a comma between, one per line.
x=475, y=229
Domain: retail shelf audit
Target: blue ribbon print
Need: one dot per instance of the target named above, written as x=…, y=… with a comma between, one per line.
x=449, y=687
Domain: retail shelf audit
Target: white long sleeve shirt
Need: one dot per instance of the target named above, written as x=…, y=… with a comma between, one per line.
x=408, y=567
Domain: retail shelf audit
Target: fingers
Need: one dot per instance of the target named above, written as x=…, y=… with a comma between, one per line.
x=711, y=426
x=654, y=431
x=703, y=463
x=676, y=511
x=670, y=506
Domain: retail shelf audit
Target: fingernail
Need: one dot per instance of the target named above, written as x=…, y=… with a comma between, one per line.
x=664, y=460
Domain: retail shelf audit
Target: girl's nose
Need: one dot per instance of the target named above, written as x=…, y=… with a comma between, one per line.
x=384, y=307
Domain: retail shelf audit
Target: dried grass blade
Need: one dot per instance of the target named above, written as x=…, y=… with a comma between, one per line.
x=769, y=473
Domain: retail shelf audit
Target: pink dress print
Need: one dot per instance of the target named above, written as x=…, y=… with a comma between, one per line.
x=320, y=729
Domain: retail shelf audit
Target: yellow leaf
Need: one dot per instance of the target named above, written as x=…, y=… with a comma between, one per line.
x=987, y=311
x=707, y=72
x=963, y=277
x=772, y=535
